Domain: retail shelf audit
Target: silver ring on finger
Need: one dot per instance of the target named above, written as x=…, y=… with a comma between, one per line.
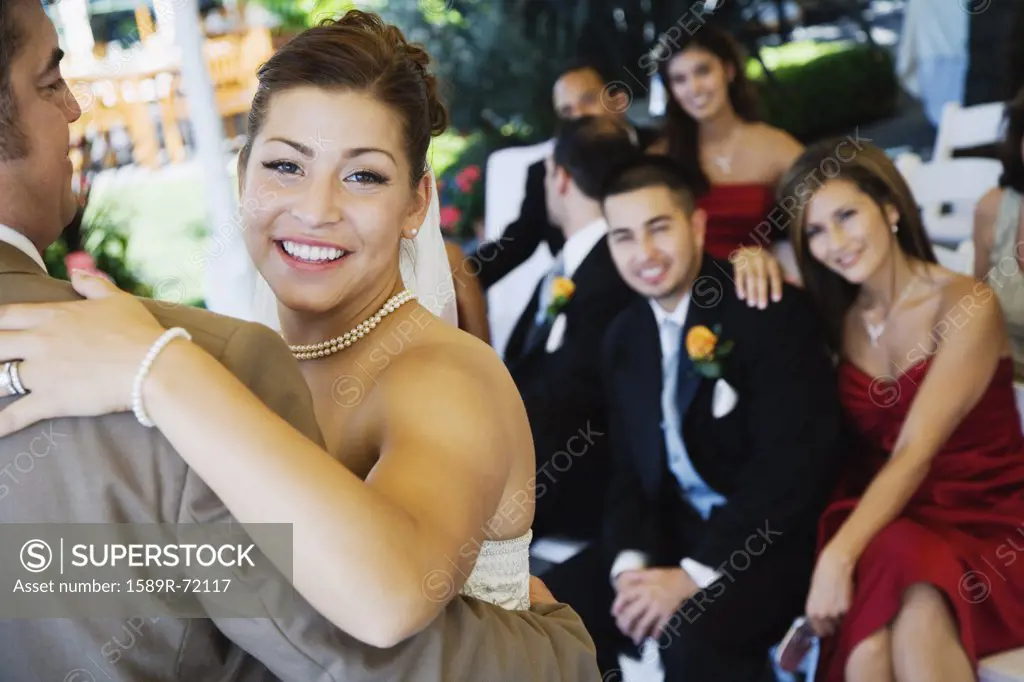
x=10, y=380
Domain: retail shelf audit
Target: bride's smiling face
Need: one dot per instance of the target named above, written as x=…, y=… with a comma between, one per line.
x=327, y=199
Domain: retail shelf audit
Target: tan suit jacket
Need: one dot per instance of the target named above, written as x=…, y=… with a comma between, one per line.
x=110, y=469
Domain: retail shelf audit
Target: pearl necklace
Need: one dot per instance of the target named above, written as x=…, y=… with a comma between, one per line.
x=332, y=346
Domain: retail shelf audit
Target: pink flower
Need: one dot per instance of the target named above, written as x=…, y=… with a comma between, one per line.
x=81, y=260
x=450, y=217
x=467, y=177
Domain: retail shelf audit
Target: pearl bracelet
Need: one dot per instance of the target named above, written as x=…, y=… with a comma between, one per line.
x=147, y=364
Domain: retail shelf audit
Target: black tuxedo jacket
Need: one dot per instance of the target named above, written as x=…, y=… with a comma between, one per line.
x=564, y=402
x=522, y=236
x=775, y=457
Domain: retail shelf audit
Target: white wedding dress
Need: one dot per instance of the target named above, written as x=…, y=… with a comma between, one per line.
x=235, y=287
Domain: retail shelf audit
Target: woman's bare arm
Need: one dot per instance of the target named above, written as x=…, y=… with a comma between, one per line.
x=405, y=550
x=983, y=236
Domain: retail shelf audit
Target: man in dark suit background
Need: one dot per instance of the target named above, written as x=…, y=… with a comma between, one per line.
x=553, y=355
x=579, y=91
x=721, y=467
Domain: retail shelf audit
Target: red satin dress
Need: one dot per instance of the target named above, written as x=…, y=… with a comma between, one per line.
x=738, y=216
x=962, y=531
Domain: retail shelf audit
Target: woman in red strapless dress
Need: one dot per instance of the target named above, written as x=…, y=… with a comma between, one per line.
x=737, y=218
x=712, y=129
x=917, y=576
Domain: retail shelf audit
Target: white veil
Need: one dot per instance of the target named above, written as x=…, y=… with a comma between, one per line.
x=423, y=261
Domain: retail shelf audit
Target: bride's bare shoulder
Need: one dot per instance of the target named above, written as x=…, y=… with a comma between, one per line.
x=449, y=355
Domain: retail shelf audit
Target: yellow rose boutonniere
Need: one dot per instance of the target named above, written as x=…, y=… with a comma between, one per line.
x=705, y=350
x=562, y=290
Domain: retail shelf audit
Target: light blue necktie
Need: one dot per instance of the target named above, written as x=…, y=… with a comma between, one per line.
x=671, y=333
x=696, y=492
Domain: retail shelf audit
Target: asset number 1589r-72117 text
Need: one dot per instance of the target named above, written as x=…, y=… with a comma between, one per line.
x=183, y=585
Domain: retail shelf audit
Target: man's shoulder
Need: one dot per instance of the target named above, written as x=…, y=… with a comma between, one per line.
x=240, y=345
x=257, y=355
x=791, y=317
x=211, y=331
x=625, y=326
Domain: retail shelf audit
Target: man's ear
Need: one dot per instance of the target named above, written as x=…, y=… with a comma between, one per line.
x=699, y=226
x=616, y=101
x=562, y=180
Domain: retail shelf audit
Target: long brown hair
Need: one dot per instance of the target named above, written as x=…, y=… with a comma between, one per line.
x=361, y=53
x=680, y=128
x=873, y=173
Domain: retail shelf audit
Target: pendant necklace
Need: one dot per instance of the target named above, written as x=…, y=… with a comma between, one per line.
x=875, y=331
x=724, y=160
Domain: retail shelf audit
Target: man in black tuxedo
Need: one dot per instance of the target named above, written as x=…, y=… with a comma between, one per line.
x=579, y=91
x=721, y=465
x=553, y=355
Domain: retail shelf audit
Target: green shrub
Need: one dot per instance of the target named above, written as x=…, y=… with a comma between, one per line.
x=831, y=94
x=106, y=240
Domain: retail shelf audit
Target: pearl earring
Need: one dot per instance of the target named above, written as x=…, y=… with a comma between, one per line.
x=414, y=231
x=895, y=229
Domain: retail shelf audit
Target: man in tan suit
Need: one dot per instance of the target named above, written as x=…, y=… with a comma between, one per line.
x=112, y=470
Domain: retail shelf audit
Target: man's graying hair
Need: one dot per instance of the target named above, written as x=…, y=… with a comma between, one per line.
x=13, y=144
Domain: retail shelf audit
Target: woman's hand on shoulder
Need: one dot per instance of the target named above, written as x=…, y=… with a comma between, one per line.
x=758, y=274
x=79, y=358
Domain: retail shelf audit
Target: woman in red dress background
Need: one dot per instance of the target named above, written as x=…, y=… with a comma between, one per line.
x=918, y=575
x=712, y=127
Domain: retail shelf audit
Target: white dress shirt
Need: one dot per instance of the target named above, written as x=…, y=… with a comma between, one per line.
x=578, y=246
x=19, y=241
x=573, y=253
x=629, y=559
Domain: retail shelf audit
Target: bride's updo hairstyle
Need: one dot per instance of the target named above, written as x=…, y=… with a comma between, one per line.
x=358, y=52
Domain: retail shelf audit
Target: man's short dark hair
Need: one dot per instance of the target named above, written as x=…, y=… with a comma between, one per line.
x=585, y=64
x=651, y=170
x=588, y=148
x=13, y=144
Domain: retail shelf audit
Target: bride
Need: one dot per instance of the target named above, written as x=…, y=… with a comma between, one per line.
x=437, y=452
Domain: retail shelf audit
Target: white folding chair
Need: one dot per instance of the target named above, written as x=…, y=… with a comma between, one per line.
x=1007, y=666
x=959, y=260
x=953, y=183
x=507, y=170
x=962, y=127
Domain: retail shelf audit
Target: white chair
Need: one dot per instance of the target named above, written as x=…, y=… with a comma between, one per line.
x=961, y=260
x=1007, y=666
x=506, y=186
x=958, y=183
x=962, y=127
